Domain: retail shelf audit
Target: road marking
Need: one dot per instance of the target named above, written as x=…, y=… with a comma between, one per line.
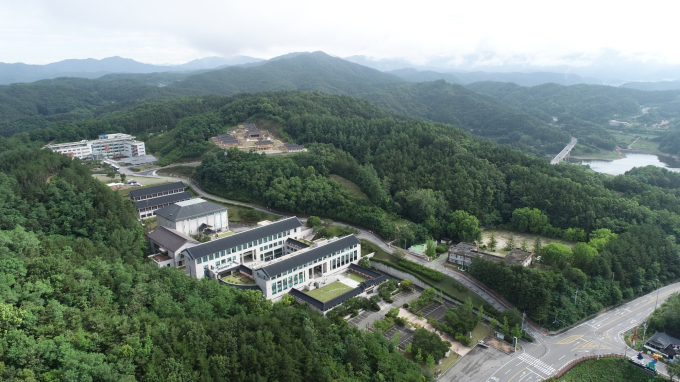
x=538, y=364
x=570, y=339
x=562, y=357
x=592, y=344
x=516, y=374
x=509, y=370
x=606, y=335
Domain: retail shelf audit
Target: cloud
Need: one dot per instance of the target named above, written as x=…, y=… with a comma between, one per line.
x=529, y=31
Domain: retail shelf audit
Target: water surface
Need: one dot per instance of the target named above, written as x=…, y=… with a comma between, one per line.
x=620, y=166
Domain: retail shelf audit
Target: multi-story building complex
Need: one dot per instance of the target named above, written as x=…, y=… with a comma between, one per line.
x=192, y=217
x=81, y=150
x=108, y=146
x=147, y=208
x=156, y=191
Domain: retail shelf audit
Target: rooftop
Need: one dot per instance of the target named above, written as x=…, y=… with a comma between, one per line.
x=514, y=257
x=662, y=340
x=157, y=189
x=308, y=255
x=170, y=239
x=138, y=160
x=264, y=143
x=249, y=125
x=293, y=146
x=241, y=238
x=159, y=201
x=188, y=209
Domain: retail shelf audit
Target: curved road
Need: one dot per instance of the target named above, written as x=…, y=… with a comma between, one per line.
x=536, y=361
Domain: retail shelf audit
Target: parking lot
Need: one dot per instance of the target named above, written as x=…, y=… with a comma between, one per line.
x=405, y=336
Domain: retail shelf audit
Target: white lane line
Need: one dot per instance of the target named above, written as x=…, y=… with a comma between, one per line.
x=562, y=357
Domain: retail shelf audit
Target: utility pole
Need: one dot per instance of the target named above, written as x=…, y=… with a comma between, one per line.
x=575, y=296
x=523, y=314
x=612, y=277
x=644, y=333
x=657, y=299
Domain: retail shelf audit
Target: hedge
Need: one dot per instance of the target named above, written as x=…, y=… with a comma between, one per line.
x=423, y=270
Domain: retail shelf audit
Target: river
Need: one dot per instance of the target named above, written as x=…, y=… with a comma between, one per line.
x=620, y=166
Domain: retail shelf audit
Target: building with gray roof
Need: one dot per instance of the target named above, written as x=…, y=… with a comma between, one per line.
x=147, y=208
x=156, y=191
x=187, y=216
x=170, y=243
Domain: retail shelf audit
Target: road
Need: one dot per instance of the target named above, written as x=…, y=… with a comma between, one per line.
x=565, y=151
x=541, y=359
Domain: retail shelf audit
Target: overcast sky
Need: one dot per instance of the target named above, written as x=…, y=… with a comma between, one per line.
x=542, y=32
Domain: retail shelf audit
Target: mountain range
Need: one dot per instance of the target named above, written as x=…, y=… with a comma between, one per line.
x=92, y=68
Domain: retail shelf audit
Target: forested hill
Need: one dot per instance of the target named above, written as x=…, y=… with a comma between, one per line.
x=306, y=71
x=44, y=103
x=593, y=103
x=482, y=115
x=522, y=79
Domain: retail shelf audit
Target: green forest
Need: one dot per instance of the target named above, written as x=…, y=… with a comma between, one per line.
x=79, y=302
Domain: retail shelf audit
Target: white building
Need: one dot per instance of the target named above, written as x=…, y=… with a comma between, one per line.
x=108, y=146
x=166, y=245
x=189, y=216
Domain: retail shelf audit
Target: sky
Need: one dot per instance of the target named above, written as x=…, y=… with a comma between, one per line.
x=486, y=32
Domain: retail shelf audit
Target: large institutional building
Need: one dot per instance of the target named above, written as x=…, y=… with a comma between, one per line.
x=111, y=146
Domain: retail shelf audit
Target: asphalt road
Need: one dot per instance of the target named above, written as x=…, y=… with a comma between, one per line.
x=541, y=359
x=559, y=157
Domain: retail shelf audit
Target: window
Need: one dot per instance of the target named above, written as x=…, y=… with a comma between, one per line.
x=250, y=245
x=279, y=236
x=273, y=288
x=210, y=257
x=290, y=281
x=239, y=247
x=278, y=286
x=205, y=259
x=285, y=283
x=301, y=276
x=333, y=266
x=259, y=242
x=217, y=263
x=265, y=239
x=295, y=280
x=198, y=261
x=280, y=242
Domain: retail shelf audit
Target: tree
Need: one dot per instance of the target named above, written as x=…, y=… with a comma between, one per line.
x=430, y=361
x=600, y=237
x=464, y=227
x=431, y=249
x=517, y=331
x=111, y=174
x=480, y=314
x=510, y=243
x=313, y=222
x=327, y=221
x=524, y=246
x=529, y=220
x=419, y=355
x=582, y=254
x=537, y=246
x=673, y=369
x=406, y=285
x=408, y=348
x=395, y=339
x=574, y=234
x=399, y=253
x=365, y=262
x=426, y=342
x=556, y=254
x=492, y=243
x=287, y=300
x=122, y=177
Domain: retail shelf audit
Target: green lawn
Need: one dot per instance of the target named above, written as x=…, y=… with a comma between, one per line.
x=356, y=277
x=607, y=370
x=238, y=279
x=479, y=332
x=350, y=186
x=177, y=171
x=330, y=291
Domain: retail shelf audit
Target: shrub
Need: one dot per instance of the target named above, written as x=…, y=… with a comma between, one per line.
x=421, y=269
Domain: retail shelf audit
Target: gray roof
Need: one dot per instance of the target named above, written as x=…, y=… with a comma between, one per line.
x=157, y=189
x=264, y=143
x=170, y=239
x=293, y=146
x=365, y=271
x=662, y=340
x=241, y=238
x=159, y=201
x=249, y=124
x=140, y=159
x=177, y=212
x=296, y=259
x=297, y=243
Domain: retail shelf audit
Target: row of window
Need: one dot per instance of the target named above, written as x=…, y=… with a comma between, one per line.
x=288, y=282
x=318, y=260
x=275, y=244
x=344, y=259
x=246, y=246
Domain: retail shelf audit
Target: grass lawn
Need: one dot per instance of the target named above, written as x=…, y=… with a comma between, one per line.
x=350, y=186
x=238, y=279
x=480, y=331
x=502, y=237
x=607, y=370
x=448, y=284
x=644, y=144
x=330, y=291
x=236, y=213
x=177, y=171
x=356, y=277
x=223, y=234
x=142, y=168
x=446, y=362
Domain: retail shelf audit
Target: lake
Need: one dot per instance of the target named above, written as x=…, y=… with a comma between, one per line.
x=620, y=166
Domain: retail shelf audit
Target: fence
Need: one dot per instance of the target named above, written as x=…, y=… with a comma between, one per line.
x=562, y=371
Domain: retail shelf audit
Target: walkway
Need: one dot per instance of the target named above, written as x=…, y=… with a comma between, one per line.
x=363, y=234
x=565, y=152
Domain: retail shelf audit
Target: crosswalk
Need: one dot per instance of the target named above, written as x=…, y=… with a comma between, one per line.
x=537, y=364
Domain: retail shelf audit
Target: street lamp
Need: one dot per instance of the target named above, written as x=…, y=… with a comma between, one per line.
x=644, y=333
x=575, y=296
x=657, y=299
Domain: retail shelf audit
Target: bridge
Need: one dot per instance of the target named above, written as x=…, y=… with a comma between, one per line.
x=564, y=154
